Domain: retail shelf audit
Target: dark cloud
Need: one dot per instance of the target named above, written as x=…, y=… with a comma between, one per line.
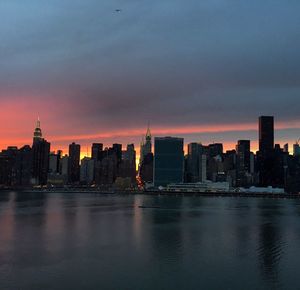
x=172, y=62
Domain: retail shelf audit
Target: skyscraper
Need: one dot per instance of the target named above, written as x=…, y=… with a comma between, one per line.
x=266, y=135
x=242, y=162
x=266, y=154
x=40, y=157
x=130, y=155
x=196, y=163
x=106, y=169
x=243, y=155
x=148, y=142
x=146, y=145
x=54, y=162
x=117, y=148
x=7, y=166
x=202, y=167
x=146, y=158
x=168, y=160
x=64, y=166
x=146, y=169
x=87, y=168
x=128, y=166
x=24, y=166
x=97, y=149
x=215, y=149
x=296, y=149
x=74, y=159
x=286, y=148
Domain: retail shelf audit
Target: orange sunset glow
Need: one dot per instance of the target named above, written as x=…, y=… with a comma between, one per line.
x=213, y=133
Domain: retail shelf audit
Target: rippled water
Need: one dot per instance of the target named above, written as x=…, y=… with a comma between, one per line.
x=93, y=241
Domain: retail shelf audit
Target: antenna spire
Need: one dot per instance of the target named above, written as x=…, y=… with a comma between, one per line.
x=37, y=135
x=38, y=123
x=148, y=134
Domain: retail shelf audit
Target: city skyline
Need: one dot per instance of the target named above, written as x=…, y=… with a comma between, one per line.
x=189, y=136
x=91, y=73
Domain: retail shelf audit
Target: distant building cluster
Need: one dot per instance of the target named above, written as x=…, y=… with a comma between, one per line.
x=208, y=166
x=204, y=166
x=38, y=166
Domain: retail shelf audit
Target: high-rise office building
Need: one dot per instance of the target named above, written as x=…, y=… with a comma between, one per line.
x=128, y=165
x=7, y=166
x=130, y=156
x=40, y=157
x=202, y=168
x=286, y=148
x=243, y=155
x=296, y=149
x=146, y=169
x=117, y=148
x=215, y=149
x=229, y=166
x=54, y=162
x=106, y=169
x=97, y=156
x=87, y=170
x=242, y=162
x=74, y=160
x=266, y=135
x=265, y=156
x=97, y=149
x=195, y=163
x=24, y=166
x=168, y=160
x=64, y=166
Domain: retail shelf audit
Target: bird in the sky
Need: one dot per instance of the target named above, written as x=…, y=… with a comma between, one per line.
x=118, y=10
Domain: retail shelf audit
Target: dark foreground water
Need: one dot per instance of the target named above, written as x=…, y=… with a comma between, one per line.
x=92, y=241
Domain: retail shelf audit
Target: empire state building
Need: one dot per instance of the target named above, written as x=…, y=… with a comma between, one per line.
x=37, y=135
x=40, y=157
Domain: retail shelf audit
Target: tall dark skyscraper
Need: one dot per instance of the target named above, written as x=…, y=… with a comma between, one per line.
x=243, y=155
x=146, y=158
x=40, y=157
x=117, y=148
x=146, y=145
x=7, y=166
x=215, y=149
x=74, y=159
x=128, y=165
x=195, y=163
x=54, y=160
x=242, y=162
x=97, y=149
x=168, y=160
x=24, y=166
x=266, y=155
x=266, y=135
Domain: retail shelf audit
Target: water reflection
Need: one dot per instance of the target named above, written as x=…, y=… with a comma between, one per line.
x=187, y=242
x=29, y=227
x=242, y=226
x=4, y=197
x=270, y=244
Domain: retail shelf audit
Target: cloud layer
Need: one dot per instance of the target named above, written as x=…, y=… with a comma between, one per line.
x=88, y=70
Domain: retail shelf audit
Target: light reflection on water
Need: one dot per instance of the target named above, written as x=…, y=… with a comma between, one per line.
x=93, y=241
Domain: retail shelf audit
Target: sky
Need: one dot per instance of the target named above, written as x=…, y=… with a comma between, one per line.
x=202, y=70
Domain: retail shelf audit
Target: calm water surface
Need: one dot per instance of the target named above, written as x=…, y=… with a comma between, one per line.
x=93, y=241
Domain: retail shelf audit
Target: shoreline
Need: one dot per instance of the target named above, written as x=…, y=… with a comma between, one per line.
x=159, y=193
